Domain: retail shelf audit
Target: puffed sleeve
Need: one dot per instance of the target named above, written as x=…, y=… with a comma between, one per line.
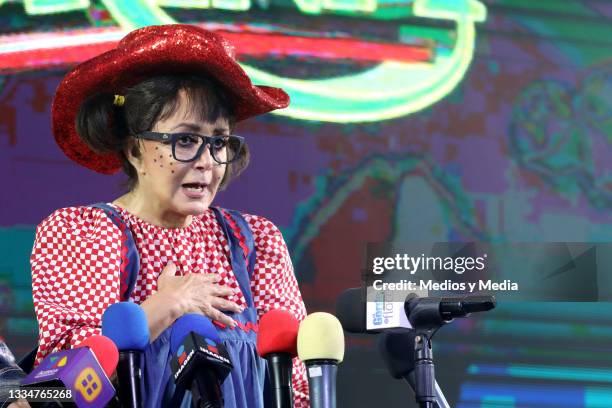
x=274, y=286
x=75, y=276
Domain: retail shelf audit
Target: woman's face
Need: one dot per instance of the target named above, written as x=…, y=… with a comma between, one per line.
x=170, y=184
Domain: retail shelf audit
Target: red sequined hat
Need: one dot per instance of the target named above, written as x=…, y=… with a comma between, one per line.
x=149, y=51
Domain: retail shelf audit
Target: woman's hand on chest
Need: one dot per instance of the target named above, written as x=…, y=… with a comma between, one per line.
x=198, y=293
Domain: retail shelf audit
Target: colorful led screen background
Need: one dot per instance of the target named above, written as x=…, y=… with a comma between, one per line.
x=439, y=120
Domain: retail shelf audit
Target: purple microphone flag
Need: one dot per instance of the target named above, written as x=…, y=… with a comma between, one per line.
x=79, y=371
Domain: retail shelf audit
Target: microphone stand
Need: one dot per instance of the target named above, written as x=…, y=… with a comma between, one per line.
x=426, y=319
x=425, y=378
x=427, y=315
x=440, y=398
x=129, y=378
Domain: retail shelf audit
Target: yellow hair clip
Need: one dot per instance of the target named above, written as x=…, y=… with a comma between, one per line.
x=119, y=100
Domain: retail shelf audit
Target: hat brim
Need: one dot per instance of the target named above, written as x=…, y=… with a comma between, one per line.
x=144, y=53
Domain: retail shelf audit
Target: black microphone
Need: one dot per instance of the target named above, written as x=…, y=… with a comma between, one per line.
x=351, y=310
x=126, y=324
x=199, y=362
x=433, y=312
x=396, y=347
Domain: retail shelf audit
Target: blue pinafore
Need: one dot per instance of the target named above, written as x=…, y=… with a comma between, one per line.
x=244, y=387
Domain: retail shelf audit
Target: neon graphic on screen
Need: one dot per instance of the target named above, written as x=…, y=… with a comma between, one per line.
x=406, y=78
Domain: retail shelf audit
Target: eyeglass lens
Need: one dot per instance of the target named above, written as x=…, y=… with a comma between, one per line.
x=223, y=149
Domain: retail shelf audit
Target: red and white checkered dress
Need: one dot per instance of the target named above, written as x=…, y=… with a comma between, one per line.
x=76, y=266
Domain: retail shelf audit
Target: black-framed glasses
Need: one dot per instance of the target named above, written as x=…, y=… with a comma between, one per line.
x=187, y=147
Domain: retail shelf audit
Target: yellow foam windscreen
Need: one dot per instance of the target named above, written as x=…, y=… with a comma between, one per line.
x=320, y=338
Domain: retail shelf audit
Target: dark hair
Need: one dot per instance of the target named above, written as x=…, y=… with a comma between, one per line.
x=105, y=127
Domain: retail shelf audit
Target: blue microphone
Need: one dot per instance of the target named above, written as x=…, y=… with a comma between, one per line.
x=125, y=323
x=200, y=361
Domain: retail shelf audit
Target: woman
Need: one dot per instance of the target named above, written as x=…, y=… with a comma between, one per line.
x=162, y=106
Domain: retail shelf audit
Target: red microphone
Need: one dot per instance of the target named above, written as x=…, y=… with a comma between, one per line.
x=277, y=343
x=105, y=351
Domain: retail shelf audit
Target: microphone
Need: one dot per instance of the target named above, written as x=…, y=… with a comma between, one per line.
x=396, y=347
x=277, y=343
x=126, y=324
x=199, y=361
x=351, y=310
x=433, y=312
x=321, y=347
x=104, y=350
x=362, y=316
x=79, y=371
